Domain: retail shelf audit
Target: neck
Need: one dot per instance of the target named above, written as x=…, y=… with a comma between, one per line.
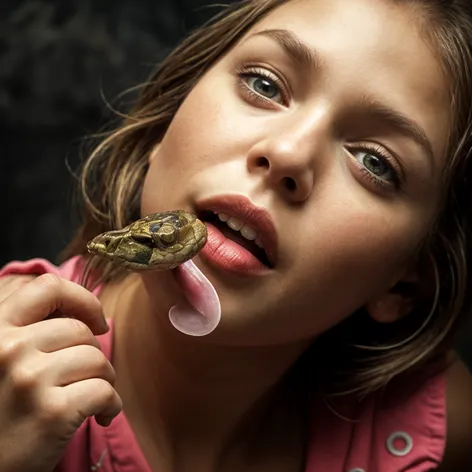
x=194, y=389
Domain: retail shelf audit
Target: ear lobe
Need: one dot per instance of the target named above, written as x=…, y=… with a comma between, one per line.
x=389, y=308
x=398, y=302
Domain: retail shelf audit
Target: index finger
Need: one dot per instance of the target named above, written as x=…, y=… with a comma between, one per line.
x=48, y=293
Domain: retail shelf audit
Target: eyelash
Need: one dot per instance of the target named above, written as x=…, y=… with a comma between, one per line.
x=376, y=150
x=262, y=73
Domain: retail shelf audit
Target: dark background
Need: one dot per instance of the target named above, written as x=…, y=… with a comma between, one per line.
x=60, y=61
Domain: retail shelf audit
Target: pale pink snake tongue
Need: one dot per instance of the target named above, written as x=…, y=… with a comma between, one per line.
x=202, y=314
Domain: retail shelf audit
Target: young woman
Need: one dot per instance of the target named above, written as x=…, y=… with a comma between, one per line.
x=338, y=132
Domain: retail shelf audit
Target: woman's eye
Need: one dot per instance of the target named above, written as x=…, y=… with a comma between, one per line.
x=375, y=165
x=265, y=87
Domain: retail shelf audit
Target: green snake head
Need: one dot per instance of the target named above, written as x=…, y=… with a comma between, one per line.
x=156, y=242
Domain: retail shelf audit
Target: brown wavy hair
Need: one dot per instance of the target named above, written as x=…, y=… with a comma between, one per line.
x=365, y=356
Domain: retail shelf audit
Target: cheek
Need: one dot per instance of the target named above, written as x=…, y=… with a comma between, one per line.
x=184, y=149
x=332, y=271
x=205, y=132
x=361, y=253
x=377, y=248
x=360, y=236
x=344, y=263
x=200, y=130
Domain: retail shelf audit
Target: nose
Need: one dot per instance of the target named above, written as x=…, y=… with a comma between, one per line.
x=287, y=160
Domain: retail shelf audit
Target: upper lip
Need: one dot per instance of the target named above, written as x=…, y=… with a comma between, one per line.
x=258, y=218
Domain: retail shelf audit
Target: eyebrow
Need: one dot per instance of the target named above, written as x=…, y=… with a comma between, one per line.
x=307, y=57
x=398, y=121
x=293, y=46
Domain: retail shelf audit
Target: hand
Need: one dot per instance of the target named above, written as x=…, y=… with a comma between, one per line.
x=11, y=283
x=52, y=372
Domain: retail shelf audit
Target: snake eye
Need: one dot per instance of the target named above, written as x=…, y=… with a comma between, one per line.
x=167, y=234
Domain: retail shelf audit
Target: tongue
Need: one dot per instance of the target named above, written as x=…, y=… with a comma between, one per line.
x=202, y=314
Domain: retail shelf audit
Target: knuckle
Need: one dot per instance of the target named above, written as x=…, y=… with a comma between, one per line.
x=102, y=364
x=80, y=329
x=25, y=378
x=106, y=391
x=49, y=281
x=11, y=347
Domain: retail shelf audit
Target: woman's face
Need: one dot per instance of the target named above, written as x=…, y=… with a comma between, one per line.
x=330, y=115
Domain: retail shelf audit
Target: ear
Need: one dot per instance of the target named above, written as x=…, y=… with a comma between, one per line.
x=398, y=302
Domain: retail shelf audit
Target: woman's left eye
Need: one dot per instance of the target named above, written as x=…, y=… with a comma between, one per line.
x=376, y=165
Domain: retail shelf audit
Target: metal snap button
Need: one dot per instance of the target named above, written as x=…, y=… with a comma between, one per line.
x=403, y=437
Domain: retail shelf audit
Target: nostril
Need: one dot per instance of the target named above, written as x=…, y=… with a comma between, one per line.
x=262, y=162
x=290, y=184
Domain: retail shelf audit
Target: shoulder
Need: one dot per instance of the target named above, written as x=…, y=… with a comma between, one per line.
x=458, y=452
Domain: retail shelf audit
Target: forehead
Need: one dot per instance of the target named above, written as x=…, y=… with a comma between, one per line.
x=371, y=47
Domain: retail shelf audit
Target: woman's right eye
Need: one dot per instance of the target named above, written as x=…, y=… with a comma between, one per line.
x=263, y=85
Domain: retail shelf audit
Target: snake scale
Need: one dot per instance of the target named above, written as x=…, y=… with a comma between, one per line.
x=161, y=241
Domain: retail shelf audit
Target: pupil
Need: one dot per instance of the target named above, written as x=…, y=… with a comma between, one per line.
x=375, y=165
x=265, y=87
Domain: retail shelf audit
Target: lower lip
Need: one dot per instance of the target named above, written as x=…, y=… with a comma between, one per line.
x=230, y=256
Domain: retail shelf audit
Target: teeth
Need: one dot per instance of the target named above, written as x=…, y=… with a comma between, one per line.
x=237, y=225
x=248, y=233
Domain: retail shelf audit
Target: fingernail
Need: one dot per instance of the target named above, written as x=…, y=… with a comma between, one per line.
x=107, y=422
x=105, y=326
x=104, y=422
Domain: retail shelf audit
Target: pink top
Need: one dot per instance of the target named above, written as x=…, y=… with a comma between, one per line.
x=398, y=432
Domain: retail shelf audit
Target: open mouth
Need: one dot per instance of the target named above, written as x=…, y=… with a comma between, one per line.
x=237, y=231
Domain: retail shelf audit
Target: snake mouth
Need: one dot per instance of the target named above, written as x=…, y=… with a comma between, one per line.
x=208, y=216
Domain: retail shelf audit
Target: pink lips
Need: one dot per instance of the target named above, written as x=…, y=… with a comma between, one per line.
x=229, y=255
